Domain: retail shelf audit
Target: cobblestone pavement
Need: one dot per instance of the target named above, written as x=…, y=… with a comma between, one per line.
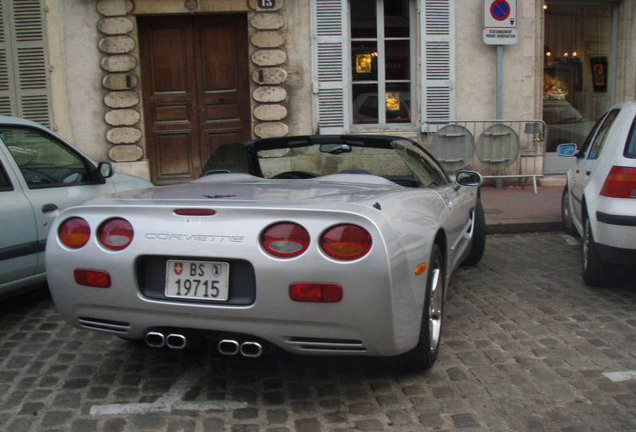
x=525, y=348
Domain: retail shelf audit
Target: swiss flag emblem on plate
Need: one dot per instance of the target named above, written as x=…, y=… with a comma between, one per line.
x=178, y=268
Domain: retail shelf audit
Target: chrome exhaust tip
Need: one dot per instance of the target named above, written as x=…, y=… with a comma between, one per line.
x=155, y=339
x=228, y=347
x=251, y=349
x=176, y=341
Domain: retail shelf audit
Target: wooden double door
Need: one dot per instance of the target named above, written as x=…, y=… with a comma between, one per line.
x=196, y=90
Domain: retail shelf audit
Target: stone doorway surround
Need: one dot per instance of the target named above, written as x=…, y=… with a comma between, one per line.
x=120, y=63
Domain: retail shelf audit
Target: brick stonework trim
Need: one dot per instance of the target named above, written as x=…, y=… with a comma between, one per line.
x=120, y=83
x=269, y=74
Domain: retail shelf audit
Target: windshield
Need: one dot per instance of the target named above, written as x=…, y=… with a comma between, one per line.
x=400, y=161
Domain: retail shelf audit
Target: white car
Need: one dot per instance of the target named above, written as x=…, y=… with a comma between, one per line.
x=599, y=200
x=41, y=175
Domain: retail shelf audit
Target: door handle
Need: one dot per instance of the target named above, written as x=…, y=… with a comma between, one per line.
x=46, y=208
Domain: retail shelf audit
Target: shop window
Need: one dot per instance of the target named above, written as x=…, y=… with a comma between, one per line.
x=576, y=68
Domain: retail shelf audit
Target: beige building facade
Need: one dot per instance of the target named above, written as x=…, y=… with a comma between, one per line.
x=121, y=88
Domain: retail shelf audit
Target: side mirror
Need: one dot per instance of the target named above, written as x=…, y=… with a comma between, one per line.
x=105, y=169
x=566, y=150
x=468, y=178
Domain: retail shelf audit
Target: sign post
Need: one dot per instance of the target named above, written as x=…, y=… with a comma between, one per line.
x=500, y=28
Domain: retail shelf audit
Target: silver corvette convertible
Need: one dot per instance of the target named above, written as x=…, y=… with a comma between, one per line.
x=332, y=245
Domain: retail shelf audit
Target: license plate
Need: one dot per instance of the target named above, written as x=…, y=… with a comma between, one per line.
x=197, y=280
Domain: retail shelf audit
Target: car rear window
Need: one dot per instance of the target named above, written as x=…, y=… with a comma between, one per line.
x=630, y=146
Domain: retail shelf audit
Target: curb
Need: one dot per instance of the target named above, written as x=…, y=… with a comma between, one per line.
x=516, y=226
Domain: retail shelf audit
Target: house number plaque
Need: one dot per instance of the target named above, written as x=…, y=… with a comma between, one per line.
x=266, y=4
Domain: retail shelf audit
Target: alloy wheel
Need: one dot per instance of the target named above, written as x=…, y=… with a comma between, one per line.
x=435, y=309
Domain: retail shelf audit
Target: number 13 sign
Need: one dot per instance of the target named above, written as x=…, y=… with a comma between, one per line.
x=266, y=4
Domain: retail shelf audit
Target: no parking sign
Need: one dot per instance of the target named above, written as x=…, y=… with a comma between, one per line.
x=500, y=22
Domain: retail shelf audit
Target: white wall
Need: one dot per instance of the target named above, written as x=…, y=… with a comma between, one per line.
x=476, y=65
x=298, y=84
x=76, y=75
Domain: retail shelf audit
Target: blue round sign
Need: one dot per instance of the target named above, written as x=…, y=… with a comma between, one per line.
x=500, y=10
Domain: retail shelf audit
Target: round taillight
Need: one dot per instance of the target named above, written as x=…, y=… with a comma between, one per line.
x=285, y=239
x=116, y=233
x=346, y=242
x=74, y=232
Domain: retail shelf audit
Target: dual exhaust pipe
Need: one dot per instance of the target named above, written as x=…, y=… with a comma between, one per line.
x=159, y=340
x=231, y=347
x=228, y=347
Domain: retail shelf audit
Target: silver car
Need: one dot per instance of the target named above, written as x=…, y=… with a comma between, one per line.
x=316, y=244
x=40, y=175
x=599, y=200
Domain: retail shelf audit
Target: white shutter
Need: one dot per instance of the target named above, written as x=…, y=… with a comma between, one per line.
x=438, y=59
x=30, y=56
x=328, y=68
x=24, y=81
x=7, y=103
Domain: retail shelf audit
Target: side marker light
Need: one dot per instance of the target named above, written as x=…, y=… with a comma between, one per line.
x=420, y=269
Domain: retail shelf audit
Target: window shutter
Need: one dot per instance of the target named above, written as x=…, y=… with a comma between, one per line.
x=24, y=81
x=30, y=58
x=7, y=103
x=438, y=59
x=328, y=57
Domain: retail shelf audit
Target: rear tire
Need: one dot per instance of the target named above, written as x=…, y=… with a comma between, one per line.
x=424, y=354
x=566, y=216
x=478, y=242
x=596, y=272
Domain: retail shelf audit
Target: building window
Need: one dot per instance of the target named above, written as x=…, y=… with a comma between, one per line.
x=381, y=69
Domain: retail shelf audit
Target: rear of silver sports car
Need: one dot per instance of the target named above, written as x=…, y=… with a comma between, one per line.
x=310, y=281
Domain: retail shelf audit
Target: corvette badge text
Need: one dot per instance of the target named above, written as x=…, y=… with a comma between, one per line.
x=194, y=237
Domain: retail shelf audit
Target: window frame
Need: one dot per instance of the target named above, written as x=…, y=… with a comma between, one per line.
x=380, y=40
x=630, y=144
x=92, y=175
x=598, y=142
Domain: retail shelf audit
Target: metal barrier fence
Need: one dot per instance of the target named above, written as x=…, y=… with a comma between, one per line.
x=498, y=149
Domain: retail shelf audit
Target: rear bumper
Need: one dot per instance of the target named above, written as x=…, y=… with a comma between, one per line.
x=376, y=317
x=617, y=255
x=313, y=336
x=620, y=220
x=616, y=231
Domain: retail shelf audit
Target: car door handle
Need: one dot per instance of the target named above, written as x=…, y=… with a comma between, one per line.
x=46, y=208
